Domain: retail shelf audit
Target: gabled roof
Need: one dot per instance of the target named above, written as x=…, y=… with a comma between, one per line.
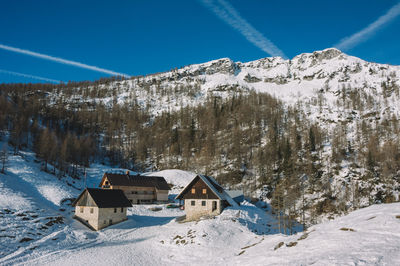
x=106, y=198
x=214, y=186
x=137, y=181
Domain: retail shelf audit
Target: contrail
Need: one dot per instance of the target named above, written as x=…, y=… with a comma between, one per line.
x=61, y=60
x=364, y=34
x=28, y=76
x=231, y=16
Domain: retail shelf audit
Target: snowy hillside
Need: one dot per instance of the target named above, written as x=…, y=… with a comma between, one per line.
x=241, y=236
x=318, y=78
x=328, y=146
x=175, y=176
x=368, y=236
x=335, y=116
x=178, y=178
x=37, y=205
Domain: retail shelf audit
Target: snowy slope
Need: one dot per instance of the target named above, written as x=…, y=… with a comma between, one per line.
x=31, y=204
x=245, y=236
x=369, y=236
x=36, y=204
x=306, y=78
x=30, y=200
x=178, y=178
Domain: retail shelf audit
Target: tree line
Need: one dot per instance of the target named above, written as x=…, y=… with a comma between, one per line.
x=249, y=140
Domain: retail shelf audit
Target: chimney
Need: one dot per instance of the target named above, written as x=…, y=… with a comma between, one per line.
x=127, y=172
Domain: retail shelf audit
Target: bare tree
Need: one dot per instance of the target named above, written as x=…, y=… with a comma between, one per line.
x=3, y=158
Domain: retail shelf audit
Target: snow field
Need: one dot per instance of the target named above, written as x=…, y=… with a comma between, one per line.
x=31, y=200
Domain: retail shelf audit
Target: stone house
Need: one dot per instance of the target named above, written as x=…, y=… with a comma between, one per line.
x=138, y=189
x=99, y=208
x=203, y=196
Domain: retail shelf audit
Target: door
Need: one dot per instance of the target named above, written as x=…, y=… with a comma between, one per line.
x=214, y=205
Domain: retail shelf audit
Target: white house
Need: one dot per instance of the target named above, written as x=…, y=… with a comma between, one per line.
x=99, y=208
x=203, y=196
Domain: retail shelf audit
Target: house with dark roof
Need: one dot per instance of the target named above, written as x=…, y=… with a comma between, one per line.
x=138, y=189
x=203, y=196
x=99, y=208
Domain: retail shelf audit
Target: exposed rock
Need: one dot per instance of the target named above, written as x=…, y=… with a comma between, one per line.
x=25, y=239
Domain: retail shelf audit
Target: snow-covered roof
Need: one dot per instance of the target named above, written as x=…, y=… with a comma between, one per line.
x=236, y=195
x=215, y=187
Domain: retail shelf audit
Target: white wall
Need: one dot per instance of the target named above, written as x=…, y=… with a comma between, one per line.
x=196, y=211
x=162, y=195
x=100, y=217
x=84, y=213
x=107, y=214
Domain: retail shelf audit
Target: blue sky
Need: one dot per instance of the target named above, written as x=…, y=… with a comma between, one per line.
x=143, y=37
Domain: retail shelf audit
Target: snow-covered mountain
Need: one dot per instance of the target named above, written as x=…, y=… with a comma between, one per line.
x=318, y=80
x=336, y=91
x=356, y=103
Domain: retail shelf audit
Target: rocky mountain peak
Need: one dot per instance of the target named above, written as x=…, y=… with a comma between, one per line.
x=327, y=54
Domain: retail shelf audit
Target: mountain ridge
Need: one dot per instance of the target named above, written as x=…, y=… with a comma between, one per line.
x=301, y=78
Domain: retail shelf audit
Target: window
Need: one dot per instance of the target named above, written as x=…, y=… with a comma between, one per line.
x=203, y=203
x=110, y=221
x=106, y=184
x=193, y=190
x=122, y=209
x=91, y=210
x=115, y=210
x=204, y=191
x=81, y=209
x=105, y=221
x=193, y=203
